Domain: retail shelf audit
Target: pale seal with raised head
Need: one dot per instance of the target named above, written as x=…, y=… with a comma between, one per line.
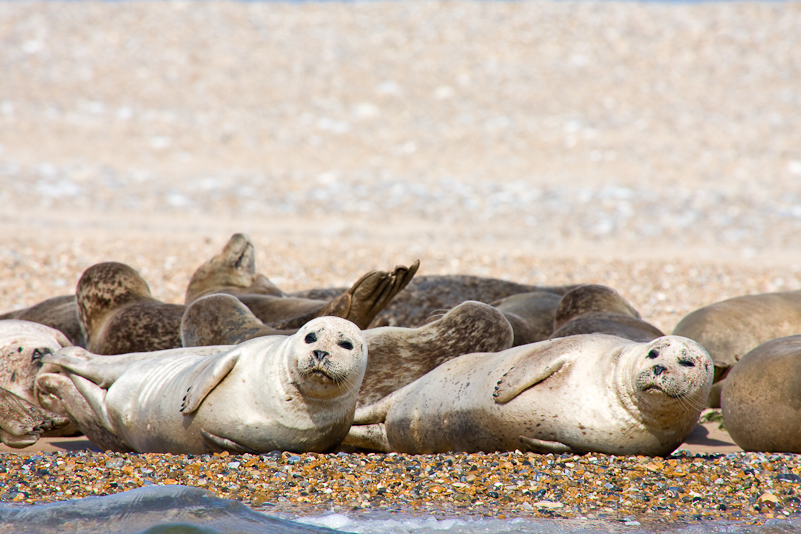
x=576, y=394
x=595, y=308
x=730, y=328
x=295, y=393
x=398, y=355
x=761, y=397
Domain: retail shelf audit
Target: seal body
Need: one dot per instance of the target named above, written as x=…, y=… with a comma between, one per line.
x=295, y=393
x=119, y=315
x=595, y=308
x=398, y=356
x=761, y=397
x=732, y=327
x=577, y=394
x=60, y=313
x=530, y=314
x=428, y=296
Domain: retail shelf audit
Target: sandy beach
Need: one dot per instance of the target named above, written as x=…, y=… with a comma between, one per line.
x=651, y=147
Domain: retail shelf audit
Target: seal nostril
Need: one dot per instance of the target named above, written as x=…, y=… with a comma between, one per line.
x=659, y=369
x=319, y=355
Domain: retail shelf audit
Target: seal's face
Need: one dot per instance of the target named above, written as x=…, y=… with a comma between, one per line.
x=331, y=357
x=674, y=367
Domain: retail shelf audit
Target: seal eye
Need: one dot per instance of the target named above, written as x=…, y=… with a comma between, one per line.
x=687, y=363
x=347, y=345
x=653, y=354
x=310, y=338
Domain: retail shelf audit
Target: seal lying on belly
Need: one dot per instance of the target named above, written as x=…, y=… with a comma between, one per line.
x=233, y=271
x=431, y=295
x=295, y=393
x=599, y=309
x=576, y=394
x=398, y=356
x=732, y=327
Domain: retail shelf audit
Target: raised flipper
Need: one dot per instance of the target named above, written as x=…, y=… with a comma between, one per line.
x=216, y=368
x=545, y=447
x=81, y=362
x=526, y=369
x=371, y=437
x=219, y=444
x=21, y=423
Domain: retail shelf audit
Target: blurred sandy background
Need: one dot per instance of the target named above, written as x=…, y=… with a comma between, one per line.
x=652, y=147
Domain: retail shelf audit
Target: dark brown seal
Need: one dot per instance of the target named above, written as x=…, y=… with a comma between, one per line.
x=431, y=295
x=599, y=309
x=731, y=328
x=396, y=356
x=761, y=397
x=119, y=314
x=60, y=313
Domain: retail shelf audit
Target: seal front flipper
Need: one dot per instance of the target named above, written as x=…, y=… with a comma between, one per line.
x=219, y=444
x=216, y=368
x=545, y=447
x=370, y=437
x=527, y=370
x=21, y=423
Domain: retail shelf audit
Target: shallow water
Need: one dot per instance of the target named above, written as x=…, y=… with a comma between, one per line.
x=186, y=510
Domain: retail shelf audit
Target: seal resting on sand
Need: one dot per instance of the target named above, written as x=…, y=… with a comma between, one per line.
x=730, y=328
x=398, y=356
x=295, y=393
x=233, y=271
x=761, y=397
x=595, y=308
x=576, y=394
x=60, y=313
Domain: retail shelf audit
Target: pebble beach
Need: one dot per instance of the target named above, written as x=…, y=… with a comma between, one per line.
x=651, y=147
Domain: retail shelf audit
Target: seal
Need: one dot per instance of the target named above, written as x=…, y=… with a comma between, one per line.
x=398, y=356
x=60, y=313
x=119, y=315
x=233, y=271
x=22, y=423
x=576, y=394
x=22, y=346
x=730, y=328
x=295, y=393
x=429, y=295
x=595, y=308
x=761, y=397
x=530, y=314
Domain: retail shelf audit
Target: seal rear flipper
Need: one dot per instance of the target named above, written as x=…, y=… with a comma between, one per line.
x=216, y=368
x=219, y=444
x=528, y=369
x=545, y=447
x=371, y=437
